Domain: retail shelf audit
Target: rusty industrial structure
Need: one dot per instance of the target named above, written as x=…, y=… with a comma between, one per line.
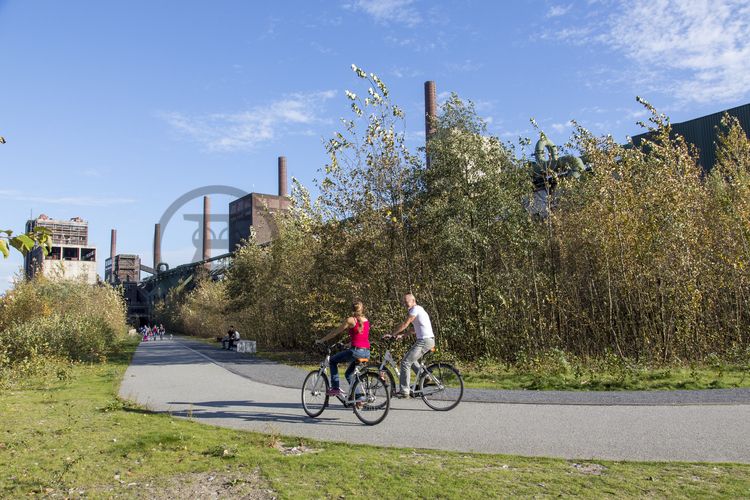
x=250, y=214
x=157, y=245
x=256, y=211
x=206, y=243
x=123, y=268
x=430, y=115
x=70, y=256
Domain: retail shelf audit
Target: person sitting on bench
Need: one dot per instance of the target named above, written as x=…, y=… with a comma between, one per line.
x=230, y=339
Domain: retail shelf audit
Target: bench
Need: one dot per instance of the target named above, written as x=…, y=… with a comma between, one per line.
x=245, y=346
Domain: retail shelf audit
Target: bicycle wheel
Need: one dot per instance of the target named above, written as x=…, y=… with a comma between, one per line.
x=376, y=398
x=441, y=387
x=386, y=374
x=314, y=389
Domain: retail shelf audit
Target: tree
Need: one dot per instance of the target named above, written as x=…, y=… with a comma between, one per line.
x=471, y=219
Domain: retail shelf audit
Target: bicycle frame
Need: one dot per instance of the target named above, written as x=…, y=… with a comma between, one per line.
x=414, y=387
x=325, y=367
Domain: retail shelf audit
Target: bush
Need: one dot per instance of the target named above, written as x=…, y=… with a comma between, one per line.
x=45, y=324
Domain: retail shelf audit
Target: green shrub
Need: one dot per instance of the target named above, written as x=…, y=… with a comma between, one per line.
x=46, y=324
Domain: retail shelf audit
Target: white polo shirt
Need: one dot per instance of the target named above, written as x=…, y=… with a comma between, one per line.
x=422, y=325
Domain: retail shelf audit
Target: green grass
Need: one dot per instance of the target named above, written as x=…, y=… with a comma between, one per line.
x=497, y=376
x=75, y=437
x=555, y=372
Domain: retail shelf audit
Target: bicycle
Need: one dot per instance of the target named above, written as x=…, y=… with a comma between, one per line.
x=368, y=395
x=440, y=384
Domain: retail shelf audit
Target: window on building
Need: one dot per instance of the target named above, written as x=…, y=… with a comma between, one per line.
x=70, y=253
x=88, y=254
x=54, y=254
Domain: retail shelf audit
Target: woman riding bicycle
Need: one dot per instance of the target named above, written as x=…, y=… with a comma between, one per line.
x=359, y=334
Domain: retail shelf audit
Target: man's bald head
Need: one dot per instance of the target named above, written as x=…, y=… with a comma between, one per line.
x=409, y=300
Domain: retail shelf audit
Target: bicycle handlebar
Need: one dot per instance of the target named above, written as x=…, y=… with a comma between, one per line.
x=322, y=347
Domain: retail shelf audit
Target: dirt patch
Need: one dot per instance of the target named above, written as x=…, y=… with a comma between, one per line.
x=591, y=469
x=488, y=468
x=300, y=449
x=230, y=484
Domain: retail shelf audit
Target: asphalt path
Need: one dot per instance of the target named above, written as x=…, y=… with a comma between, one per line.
x=202, y=382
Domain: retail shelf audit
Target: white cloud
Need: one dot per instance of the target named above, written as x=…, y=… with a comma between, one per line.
x=389, y=11
x=697, y=51
x=436, y=41
x=321, y=48
x=515, y=134
x=247, y=129
x=560, y=127
x=707, y=41
x=78, y=201
x=466, y=66
x=91, y=172
x=405, y=72
x=559, y=10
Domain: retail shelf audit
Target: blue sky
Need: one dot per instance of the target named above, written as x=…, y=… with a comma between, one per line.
x=112, y=110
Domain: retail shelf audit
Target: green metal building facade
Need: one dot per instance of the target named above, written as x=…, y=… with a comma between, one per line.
x=701, y=132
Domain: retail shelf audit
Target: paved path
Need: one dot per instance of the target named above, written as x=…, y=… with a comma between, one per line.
x=226, y=389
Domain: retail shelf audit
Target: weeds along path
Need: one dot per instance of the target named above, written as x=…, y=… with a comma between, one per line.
x=201, y=382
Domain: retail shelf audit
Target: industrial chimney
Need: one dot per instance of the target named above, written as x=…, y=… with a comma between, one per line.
x=282, y=177
x=112, y=253
x=157, y=246
x=206, y=228
x=430, y=113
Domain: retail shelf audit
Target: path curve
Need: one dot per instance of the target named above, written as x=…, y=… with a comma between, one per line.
x=272, y=373
x=191, y=379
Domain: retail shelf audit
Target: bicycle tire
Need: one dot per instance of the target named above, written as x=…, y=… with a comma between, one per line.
x=377, y=398
x=447, y=397
x=311, y=395
x=387, y=373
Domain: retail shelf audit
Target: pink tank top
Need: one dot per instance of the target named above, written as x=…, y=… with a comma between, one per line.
x=360, y=337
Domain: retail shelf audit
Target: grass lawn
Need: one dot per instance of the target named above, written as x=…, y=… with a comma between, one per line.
x=75, y=438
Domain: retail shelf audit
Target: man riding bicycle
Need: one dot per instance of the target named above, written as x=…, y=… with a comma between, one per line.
x=424, y=344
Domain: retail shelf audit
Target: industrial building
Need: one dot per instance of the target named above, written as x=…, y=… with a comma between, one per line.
x=256, y=210
x=124, y=268
x=70, y=257
x=701, y=132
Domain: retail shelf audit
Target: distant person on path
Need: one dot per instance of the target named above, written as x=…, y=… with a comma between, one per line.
x=425, y=340
x=230, y=338
x=359, y=334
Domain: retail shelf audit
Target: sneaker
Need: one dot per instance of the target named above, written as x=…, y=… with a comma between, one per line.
x=403, y=395
x=335, y=391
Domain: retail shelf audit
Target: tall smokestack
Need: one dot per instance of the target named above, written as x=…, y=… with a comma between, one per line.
x=430, y=114
x=157, y=245
x=206, y=228
x=282, y=176
x=112, y=253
